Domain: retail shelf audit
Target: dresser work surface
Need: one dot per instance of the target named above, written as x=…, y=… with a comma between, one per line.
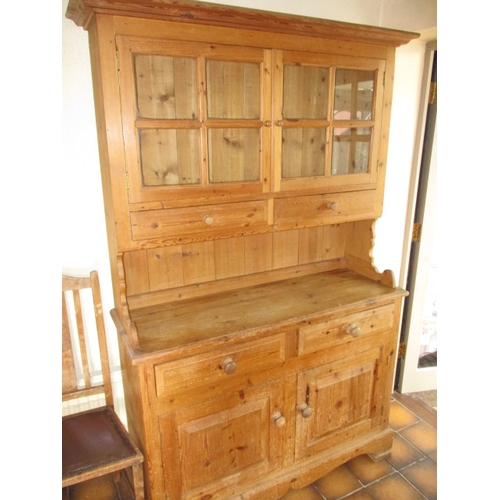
x=211, y=319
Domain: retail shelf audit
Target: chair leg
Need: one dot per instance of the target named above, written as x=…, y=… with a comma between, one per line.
x=138, y=478
x=116, y=479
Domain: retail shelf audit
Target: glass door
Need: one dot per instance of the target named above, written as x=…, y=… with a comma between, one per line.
x=196, y=120
x=328, y=124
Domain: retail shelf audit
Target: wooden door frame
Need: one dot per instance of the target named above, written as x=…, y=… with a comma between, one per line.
x=416, y=201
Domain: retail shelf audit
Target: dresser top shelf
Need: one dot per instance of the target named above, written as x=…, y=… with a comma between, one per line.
x=212, y=14
x=273, y=306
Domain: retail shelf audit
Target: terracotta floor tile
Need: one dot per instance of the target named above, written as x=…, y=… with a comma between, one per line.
x=307, y=493
x=423, y=475
x=337, y=483
x=416, y=406
x=366, y=470
x=394, y=487
x=400, y=417
x=434, y=457
x=403, y=453
x=423, y=436
x=363, y=494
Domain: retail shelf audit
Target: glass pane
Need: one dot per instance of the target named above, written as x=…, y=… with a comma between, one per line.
x=353, y=94
x=233, y=90
x=303, y=152
x=166, y=87
x=305, y=92
x=234, y=154
x=351, y=150
x=169, y=157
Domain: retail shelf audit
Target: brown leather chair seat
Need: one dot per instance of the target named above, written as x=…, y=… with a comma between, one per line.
x=90, y=439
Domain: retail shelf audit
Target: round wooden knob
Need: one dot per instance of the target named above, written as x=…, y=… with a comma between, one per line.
x=354, y=330
x=229, y=366
x=268, y=123
x=279, y=123
x=208, y=220
x=279, y=420
x=333, y=205
x=305, y=410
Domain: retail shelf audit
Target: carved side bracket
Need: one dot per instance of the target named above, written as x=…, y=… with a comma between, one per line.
x=127, y=324
x=359, y=252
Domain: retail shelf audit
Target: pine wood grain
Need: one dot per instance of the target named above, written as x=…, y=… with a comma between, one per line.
x=196, y=320
x=232, y=235
x=183, y=11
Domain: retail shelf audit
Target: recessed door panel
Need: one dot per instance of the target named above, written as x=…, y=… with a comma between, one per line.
x=221, y=445
x=341, y=399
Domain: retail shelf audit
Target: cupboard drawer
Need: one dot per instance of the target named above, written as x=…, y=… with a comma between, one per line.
x=344, y=329
x=303, y=211
x=174, y=222
x=212, y=371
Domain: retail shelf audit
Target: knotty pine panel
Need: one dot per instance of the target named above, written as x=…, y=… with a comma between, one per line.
x=258, y=253
x=165, y=268
x=311, y=245
x=189, y=264
x=333, y=241
x=229, y=258
x=136, y=272
x=285, y=249
x=198, y=262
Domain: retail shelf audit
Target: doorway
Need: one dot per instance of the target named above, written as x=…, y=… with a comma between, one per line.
x=416, y=370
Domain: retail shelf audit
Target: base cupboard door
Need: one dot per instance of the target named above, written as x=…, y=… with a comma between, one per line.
x=337, y=402
x=213, y=449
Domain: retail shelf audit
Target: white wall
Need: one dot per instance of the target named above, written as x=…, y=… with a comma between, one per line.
x=409, y=15
x=84, y=245
x=390, y=227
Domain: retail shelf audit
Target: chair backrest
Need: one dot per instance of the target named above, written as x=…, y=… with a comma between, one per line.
x=76, y=331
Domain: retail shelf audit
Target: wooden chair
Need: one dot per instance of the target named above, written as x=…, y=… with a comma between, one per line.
x=99, y=459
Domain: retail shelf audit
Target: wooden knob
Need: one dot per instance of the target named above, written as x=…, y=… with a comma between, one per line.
x=305, y=410
x=268, y=123
x=229, y=366
x=333, y=205
x=279, y=420
x=354, y=330
x=208, y=220
x=279, y=123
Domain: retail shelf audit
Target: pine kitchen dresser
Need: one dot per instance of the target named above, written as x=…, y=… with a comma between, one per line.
x=243, y=156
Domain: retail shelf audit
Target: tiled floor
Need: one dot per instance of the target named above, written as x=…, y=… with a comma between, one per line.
x=409, y=473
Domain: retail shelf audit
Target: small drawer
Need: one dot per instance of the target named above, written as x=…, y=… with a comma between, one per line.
x=175, y=222
x=346, y=328
x=304, y=211
x=204, y=371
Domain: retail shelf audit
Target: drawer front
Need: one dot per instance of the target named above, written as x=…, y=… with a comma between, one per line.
x=304, y=211
x=211, y=374
x=175, y=222
x=345, y=329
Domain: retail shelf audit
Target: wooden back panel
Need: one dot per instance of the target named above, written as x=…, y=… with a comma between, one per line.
x=170, y=273
x=76, y=367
